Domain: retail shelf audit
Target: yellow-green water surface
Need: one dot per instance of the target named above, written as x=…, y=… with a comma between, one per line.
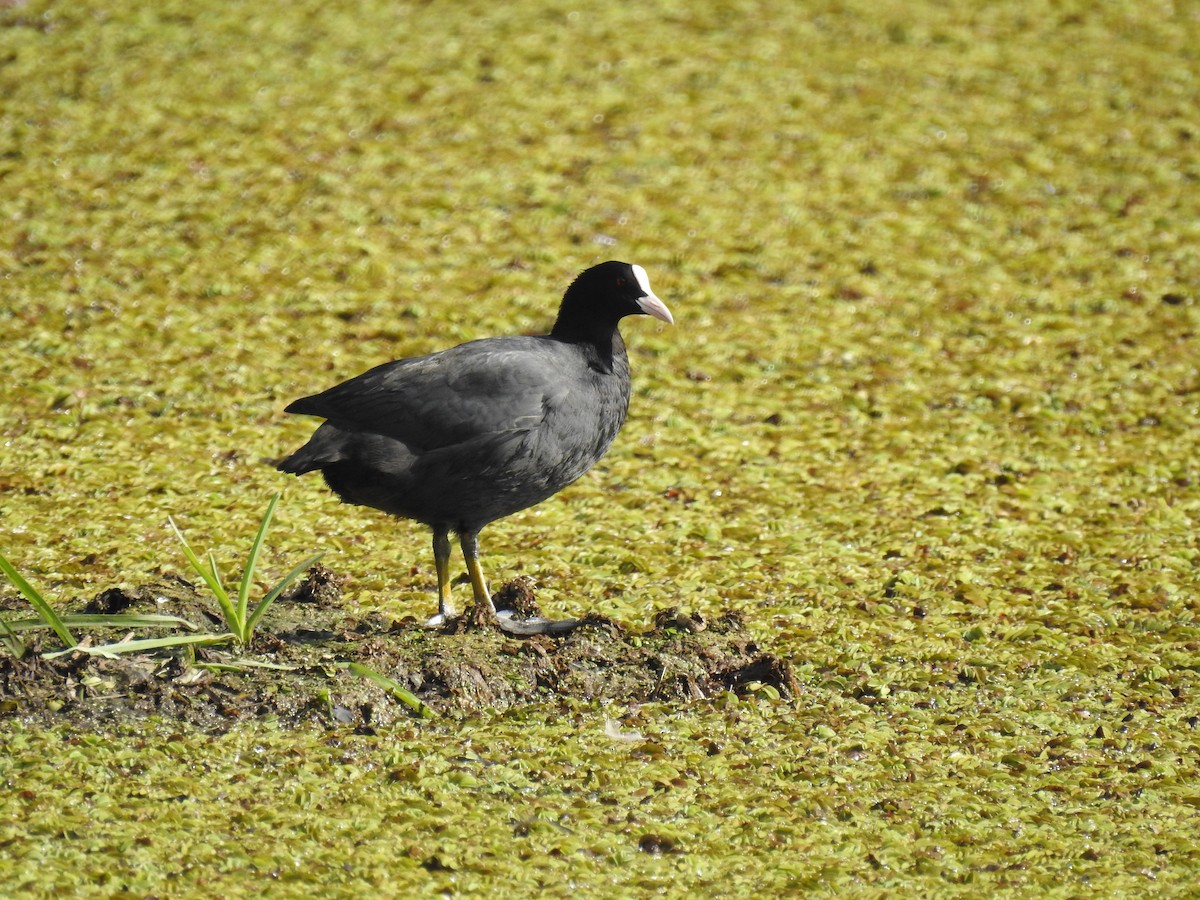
x=928, y=417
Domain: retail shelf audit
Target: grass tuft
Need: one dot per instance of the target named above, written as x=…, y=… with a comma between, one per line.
x=240, y=618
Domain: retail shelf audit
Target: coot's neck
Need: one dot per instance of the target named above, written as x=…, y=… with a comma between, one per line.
x=599, y=337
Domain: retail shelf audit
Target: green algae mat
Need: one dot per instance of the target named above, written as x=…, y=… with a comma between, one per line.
x=920, y=451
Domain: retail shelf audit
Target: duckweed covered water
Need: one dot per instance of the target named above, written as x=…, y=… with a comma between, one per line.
x=928, y=417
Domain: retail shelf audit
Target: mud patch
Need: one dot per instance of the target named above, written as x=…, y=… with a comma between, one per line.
x=299, y=670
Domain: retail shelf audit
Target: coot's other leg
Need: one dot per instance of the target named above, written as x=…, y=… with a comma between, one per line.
x=441, y=562
x=469, y=541
x=505, y=618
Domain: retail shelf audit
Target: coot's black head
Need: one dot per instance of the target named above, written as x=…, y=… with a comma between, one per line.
x=601, y=296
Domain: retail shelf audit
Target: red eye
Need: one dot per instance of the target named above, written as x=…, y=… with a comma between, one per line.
x=620, y=282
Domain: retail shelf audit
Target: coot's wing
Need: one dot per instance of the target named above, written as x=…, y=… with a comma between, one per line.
x=482, y=387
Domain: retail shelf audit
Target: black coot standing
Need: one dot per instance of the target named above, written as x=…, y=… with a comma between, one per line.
x=460, y=438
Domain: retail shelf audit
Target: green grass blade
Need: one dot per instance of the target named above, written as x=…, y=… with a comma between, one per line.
x=261, y=606
x=139, y=620
x=83, y=620
x=178, y=640
x=216, y=572
x=252, y=564
x=399, y=691
x=210, y=578
x=9, y=638
x=44, y=609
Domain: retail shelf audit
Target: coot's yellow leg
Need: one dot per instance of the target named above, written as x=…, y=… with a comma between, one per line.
x=470, y=547
x=507, y=621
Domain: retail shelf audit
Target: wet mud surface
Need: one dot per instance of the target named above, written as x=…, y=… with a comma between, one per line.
x=306, y=664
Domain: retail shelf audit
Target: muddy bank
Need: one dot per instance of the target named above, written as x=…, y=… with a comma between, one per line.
x=304, y=665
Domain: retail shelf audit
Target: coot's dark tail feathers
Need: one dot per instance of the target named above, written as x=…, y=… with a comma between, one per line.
x=299, y=462
x=303, y=407
x=324, y=448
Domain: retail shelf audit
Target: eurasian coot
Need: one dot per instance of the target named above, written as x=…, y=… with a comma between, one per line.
x=460, y=438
